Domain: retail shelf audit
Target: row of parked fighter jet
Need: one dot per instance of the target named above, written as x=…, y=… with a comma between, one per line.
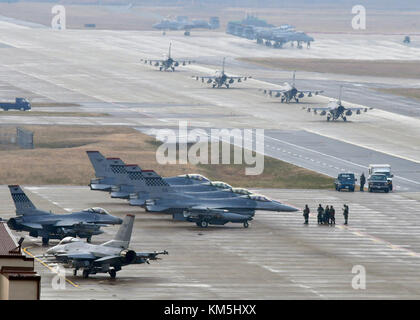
x=190, y=197
x=108, y=257
x=288, y=93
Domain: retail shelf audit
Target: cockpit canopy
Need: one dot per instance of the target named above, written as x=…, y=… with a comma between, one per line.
x=241, y=191
x=258, y=197
x=67, y=240
x=220, y=185
x=96, y=210
x=195, y=176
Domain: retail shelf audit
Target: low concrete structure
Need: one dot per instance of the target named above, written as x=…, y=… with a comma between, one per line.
x=18, y=280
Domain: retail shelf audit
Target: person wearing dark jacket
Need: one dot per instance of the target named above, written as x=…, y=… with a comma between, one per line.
x=362, y=182
x=327, y=215
x=346, y=214
x=320, y=214
x=306, y=212
x=332, y=215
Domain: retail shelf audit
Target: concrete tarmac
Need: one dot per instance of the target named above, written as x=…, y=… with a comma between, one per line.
x=277, y=257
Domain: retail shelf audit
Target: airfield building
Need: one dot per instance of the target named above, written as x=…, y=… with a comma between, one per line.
x=18, y=280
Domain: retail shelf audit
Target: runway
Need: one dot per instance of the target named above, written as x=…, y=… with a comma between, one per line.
x=276, y=258
x=101, y=72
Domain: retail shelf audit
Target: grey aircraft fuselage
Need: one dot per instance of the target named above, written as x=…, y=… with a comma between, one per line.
x=108, y=257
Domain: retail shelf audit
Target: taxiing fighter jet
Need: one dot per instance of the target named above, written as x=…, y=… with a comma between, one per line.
x=168, y=63
x=107, y=257
x=221, y=78
x=335, y=110
x=289, y=92
x=48, y=225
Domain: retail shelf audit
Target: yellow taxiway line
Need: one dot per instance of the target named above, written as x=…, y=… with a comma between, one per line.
x=47, y=266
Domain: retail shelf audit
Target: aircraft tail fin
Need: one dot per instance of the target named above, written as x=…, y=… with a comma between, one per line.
x=99, y=163
x=340, y=94
x=169, y=53
x=154, y=182
x=123, y=236
x=294, y=78
x=22, y=203
x=223, y=65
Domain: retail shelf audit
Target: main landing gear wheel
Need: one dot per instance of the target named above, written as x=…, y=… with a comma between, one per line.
x=112, y=273
x=246, y=224
x=75, y=272
x=89, y=239
x=85, y=273
x=204, y=224
x=344, y=118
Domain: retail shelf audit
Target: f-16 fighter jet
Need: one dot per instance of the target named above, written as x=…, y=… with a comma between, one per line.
x=108, y=257
x=335, y=110
x=207, y=210
x=38, y=223
x=221, y=78
x=168, y=63
x=289, y=92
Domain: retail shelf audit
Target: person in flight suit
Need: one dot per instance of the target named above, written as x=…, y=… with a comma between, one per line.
x=306, y=212
x=332, y=215
x=320, y=214
x=362, y=182
x=346, y=214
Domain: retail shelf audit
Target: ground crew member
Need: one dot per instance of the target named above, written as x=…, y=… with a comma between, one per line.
x=306, y=212
x=346, y=213
x=320, y=214
x=327, y=215
x=332, y=215
x=362, y=182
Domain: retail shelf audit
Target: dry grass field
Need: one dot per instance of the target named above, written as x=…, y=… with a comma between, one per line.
x=59, y=157
x=405, y=92
x=377, y=68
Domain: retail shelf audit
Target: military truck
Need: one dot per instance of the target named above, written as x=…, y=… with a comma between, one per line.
x=384, y=169
x=345, y=181
x=20, y=104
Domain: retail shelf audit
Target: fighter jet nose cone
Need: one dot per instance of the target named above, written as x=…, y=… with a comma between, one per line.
x=119, y=221
x=286, y=208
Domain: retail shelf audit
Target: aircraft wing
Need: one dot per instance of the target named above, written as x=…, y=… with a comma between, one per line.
x=322, y=110
x=32, y=225
x=359, y=109
x=76, y=256
x=78, y=223
x=152, y=61
x=310, y=92
x=108, y=260
x=185, y=62
x=144, y=257
x=276, y=92
x=204, y=77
